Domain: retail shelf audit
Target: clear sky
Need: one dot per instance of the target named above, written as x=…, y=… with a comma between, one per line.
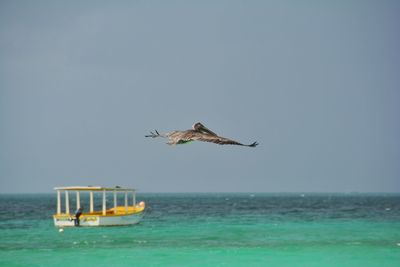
x=316, y=83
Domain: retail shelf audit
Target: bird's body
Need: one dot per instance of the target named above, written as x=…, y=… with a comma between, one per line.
x=198, y=133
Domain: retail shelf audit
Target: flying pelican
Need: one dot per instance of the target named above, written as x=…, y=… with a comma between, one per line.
x=198, y=133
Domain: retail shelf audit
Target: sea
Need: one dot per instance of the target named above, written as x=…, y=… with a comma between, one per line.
x=211, y=229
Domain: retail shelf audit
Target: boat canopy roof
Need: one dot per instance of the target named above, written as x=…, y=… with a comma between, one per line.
x=93, y=188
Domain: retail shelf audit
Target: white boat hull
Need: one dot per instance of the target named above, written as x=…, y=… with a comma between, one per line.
x=98, y=220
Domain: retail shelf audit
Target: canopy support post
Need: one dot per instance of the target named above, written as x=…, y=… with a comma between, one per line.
x=115, y=202
x=133, y=198
x=91, y=202
x=78, y=200
x=58, y=202
x=104, y=202
x=66, y=202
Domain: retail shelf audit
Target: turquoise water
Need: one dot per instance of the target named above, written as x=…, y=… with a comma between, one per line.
x=212, y=230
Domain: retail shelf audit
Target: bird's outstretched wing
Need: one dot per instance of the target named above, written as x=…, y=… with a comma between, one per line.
x=219, y=140
x=154, y=135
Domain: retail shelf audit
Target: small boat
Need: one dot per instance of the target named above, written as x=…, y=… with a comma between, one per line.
x=127, y=214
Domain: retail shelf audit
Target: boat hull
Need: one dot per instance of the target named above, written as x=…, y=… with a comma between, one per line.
x=98, y=220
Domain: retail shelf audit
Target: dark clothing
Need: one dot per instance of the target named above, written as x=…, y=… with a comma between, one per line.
x=77, y=215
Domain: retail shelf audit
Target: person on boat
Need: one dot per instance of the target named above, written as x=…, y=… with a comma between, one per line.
x=78, y=214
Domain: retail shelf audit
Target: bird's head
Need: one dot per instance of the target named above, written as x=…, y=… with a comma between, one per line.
x=196, y=125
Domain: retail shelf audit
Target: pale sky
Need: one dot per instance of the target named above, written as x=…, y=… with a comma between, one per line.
x=316, y=83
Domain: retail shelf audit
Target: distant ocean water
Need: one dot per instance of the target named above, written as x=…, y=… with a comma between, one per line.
x=212, y=230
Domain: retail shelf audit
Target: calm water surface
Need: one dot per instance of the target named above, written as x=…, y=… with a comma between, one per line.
x=212, y=230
